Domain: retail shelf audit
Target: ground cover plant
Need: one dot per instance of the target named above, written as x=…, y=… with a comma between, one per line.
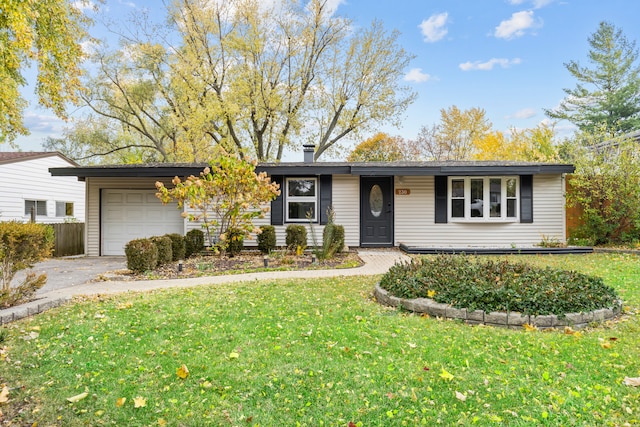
x=498, y=285
x=313, y=353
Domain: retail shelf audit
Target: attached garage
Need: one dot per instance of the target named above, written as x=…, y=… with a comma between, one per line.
x=132, y=214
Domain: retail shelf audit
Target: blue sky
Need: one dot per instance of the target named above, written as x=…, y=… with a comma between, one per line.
x=505, y=56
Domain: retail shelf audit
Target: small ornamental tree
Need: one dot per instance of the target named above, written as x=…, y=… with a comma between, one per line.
x=229, y=195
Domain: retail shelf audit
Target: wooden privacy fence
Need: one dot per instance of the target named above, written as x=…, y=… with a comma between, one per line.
x=69, y=239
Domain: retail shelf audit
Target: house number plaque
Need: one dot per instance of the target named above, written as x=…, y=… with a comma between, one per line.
x=403, y=191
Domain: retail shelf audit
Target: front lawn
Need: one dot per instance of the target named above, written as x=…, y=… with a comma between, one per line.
x=312, y=353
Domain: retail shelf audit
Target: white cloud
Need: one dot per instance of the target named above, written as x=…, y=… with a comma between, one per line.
x=516, y=25
x=434, y=28
x=43, y=123
x=537, y=4
x=525, y=113
x=416, y=75
x=488, y=65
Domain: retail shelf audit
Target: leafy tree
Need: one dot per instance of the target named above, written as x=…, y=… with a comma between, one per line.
x=453, y=137
x=49, y=34
x=227, y=196
x=379, y=148
x=251, y=77
x=535, y=145
x=608, y=92
x=606, y=188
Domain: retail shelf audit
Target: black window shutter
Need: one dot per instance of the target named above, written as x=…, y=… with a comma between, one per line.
x=441, y=199
x=526, y=198
x=277, y=204
x=325, y=197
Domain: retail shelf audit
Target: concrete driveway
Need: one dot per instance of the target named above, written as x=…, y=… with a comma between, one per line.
x=74, y=271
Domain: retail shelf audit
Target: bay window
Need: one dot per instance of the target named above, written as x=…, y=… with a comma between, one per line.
x=483, y=198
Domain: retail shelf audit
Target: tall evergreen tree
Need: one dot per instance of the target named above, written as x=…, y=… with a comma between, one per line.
x=608, y=92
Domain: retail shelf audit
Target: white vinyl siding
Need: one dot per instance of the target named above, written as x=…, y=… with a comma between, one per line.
x=30, y=180
x=415, y=218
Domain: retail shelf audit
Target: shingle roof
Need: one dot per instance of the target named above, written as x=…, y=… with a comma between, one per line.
x=20, y=156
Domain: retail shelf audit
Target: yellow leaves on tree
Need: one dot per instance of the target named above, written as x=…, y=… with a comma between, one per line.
x=534, y=145
x=49, y=33
x=379, y=148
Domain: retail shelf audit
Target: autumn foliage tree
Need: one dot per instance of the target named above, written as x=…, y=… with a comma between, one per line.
x=379, y=148
x=252, y=77
x=533, y=145
x=225, y=197
x=453, y=138
x=47, y=34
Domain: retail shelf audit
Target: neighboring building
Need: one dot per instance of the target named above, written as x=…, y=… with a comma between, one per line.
x=27, y=189
x=417, y=204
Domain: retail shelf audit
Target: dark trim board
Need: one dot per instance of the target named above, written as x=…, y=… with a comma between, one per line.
x=415, y=250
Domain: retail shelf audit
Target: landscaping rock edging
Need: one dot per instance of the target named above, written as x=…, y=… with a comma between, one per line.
x=31, y=308
x=511, y=320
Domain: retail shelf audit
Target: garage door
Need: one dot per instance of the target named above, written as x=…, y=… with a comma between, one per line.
x=132, y=214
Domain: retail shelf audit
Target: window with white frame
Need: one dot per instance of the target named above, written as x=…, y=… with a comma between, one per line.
x=483, y=198
x=64, y=209
x=39, y=206
x=301, y=199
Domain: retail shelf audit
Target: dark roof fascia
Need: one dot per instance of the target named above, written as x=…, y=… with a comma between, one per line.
x=131, y=171
x=334, y=168
x=304, y=168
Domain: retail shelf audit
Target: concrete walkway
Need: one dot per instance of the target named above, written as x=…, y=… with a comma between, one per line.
x=375, y=262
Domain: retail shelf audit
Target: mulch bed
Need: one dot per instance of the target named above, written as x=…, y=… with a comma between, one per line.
x=245, y=262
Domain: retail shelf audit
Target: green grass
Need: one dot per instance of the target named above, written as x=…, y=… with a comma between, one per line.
x=312, y=353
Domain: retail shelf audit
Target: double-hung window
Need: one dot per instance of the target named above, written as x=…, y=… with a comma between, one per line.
x=483, y=198
x=301, y=199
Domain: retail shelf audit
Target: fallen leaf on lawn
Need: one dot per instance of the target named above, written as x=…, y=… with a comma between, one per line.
x=633, y=382
x=431, y=293
x=182, y=371
x=77, y=397
x=162, y=422
x=139, y=402
x=604, y=344
x=120, y=401
x=4, y=394
x=529, y=328
x=233, y=355
x=446, y=375
x=460, y=396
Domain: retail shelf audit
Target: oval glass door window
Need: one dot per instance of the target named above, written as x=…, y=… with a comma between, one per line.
x=376, y=200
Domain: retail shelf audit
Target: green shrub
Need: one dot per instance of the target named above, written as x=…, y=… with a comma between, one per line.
x=468, y=282
x=194, y=242
x=22, y=245
x=178, y=247
x=267, y=239
x=234, y=241
x=296, y=237
x=165, y=249
x=142, y=255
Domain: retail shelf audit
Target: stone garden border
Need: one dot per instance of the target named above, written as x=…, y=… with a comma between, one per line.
x=511, y=320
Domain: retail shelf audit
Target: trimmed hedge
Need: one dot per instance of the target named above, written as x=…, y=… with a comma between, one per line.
x=498, y=285
x=142, y=255
x=296, y=238
x=178, y=246
x=194, y=242
x=266, y=239
x=165, y=251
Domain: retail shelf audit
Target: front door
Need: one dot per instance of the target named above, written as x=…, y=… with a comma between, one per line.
x=376, y=211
